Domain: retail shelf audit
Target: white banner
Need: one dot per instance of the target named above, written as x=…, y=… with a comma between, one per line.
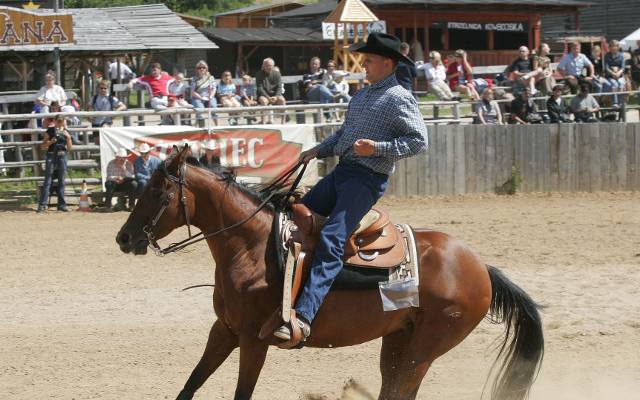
x=328, y=29
x=257, y=153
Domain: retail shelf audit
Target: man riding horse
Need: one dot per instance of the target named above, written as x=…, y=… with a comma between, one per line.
x=383, y=124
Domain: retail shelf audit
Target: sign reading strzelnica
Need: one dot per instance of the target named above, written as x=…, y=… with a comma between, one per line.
x=26, y=28
x=498, y=27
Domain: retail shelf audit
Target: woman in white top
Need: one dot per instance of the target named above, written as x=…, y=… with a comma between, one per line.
x=436, y=76
x=51, y=92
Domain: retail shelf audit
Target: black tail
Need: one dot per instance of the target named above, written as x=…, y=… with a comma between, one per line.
x=522, y=349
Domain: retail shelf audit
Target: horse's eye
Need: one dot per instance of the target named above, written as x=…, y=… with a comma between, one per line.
x=156, y=193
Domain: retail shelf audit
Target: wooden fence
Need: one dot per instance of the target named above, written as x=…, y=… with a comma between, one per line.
x=548, y=158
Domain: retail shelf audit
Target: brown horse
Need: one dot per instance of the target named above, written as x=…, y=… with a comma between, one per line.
x=456, y=291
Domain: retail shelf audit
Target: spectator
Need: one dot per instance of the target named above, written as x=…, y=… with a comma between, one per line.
x=120, y=178
x=103, y=101
x=50, y=122
x=179, y=89
x=584, y=105
x=169, y=119
x=328, y=77
x=51, y=92
x=436, y=76
x=522, y=70
x=635, y=65
x=406, y=72
x=57, y=142
x=126, y=74
x=227, y=95
x=488, y=109
x=314, y=89
x=248, y=92
x=542, y=63
x=558, y=107
x=203, y=90
x=339, y=87
x=269, y=87
x=598, y=69
x=524, y=109
x=572, y=65
x=157, y=83
x=614, y=71
x=459, y=74
x=209, y=158
x=144, y=166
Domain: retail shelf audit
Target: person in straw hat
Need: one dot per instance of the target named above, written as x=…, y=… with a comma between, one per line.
x=144, y=166
x=209, y=158
x=120, y=178
x=383, y=124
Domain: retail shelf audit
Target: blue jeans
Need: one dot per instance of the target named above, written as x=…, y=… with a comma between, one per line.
x=344, y=196
x=320, y=94
x=614, y=85
x=54, y=163
x=197, y=103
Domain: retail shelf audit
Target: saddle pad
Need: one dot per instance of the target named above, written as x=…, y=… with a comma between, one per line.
x=356, y=278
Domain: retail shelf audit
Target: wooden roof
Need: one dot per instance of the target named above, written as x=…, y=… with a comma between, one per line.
x=274, y=36
x=132, y=28
x=351, y=11
x=257, y=7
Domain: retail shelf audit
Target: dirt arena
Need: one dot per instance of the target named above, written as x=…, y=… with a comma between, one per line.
x=80, y=320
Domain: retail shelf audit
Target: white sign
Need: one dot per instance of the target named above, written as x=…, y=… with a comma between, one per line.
x=328, y=29
x=498, y=27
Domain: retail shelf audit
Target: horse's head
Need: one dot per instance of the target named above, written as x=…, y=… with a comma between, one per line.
x=166, y=204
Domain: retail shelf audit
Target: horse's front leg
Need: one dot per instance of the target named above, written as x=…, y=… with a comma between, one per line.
x=220, y=344
x=252, y=355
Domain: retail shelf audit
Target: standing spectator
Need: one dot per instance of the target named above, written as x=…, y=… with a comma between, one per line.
x=436, y=76
x=179, y=89
x=558, y=107
x=126, y=74
x=157, y=83
x=406, y=72
x=314, y=89
x=103, y=101
x=51, y=92
x=584, y=105
x=269, y=87
x=635, y=65
x=209, y=158
x=524, y=109
x=120, y=178
x=614, y=71
x=598, y=69
x=203, y=90
x=57, y=142
x=227, y=95
x=522, y=70
x=542, y=63
x=488, y=109
x=459, y=74
x=144, y=166
x=572, y=65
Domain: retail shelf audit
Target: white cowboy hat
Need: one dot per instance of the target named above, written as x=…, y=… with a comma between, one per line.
x=209, y=144
x=341, y=73
x=144, y=148
x=121, y=153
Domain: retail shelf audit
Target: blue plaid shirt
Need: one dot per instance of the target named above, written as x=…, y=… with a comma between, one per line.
x=387, y=114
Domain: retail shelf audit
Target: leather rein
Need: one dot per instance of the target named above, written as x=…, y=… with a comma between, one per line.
x=179, y=183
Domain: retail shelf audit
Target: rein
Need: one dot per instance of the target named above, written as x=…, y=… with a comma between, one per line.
x=180, y=182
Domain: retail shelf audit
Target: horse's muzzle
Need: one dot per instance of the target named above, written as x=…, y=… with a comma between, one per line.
x=129, y=244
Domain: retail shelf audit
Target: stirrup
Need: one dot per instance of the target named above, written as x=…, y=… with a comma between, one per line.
x=295, y=333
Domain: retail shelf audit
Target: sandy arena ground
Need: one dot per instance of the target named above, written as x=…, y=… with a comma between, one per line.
x=88, y=322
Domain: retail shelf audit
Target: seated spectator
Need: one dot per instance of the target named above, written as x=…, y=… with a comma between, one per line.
x=157, y=83
x=179, y=89
x=542, y=63
x=203, y=90
x=436, y=75
x=635, y=65
x=209, y=158
x=169, y=119
x=227, y=95
x=406, y=73
x=144, y=166
x=522, y=70
x=269, y=87
x=50, y=122
x=248, y=92
x=103, y=101
x=572, y=65
x=558, y=107
x=120, y=178
x=327, y=78
x=340, y=87
x=57, y=142
x=488, y=109
x=598, y=69
x=314, y=90
x=459, y=75
x=524, y=109
x=584, y=105
x=614, y=65
x=51, y=92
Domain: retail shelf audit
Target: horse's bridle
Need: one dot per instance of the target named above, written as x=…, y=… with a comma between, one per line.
x=179, y=181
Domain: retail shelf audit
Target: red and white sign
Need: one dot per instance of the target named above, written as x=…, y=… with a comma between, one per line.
x=257, y=154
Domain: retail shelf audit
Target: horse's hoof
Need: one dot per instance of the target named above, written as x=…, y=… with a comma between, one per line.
x=185, y=395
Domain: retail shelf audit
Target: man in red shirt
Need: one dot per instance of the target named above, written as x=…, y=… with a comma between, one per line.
x=459, y=75
x=157, y=83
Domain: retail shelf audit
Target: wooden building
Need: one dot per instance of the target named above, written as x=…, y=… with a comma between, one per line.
x=256, y=16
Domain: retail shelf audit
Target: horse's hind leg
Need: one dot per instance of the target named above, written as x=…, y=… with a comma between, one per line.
x=394, y=346
x=220, y=344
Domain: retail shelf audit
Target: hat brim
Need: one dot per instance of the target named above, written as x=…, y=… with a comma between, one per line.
x=363, y=47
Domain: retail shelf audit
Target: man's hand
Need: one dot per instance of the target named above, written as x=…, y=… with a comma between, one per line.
x=364, y=147
x=309, y=155
x=119, y=180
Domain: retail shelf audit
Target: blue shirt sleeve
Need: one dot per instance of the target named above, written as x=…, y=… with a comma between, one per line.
x=411, y=134
x=325, y=149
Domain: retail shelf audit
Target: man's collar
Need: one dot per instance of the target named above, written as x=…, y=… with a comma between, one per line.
x=390, y=80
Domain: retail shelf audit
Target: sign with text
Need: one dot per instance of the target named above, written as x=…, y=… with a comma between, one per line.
x=256, y=153
x=22, y=28
x=498, y=27
x=328, y=29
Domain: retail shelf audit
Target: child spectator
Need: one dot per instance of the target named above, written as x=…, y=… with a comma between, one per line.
x=179, y=89
x=248, y=92
x=339, y=87
x=557, y=107
x=227, y=95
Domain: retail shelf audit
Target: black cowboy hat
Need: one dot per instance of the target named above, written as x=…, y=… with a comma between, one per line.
x=382, y=44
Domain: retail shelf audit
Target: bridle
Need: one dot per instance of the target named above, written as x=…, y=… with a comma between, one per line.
x=178, y=183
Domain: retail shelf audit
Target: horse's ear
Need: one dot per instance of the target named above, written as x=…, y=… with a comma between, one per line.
x=177, y=157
